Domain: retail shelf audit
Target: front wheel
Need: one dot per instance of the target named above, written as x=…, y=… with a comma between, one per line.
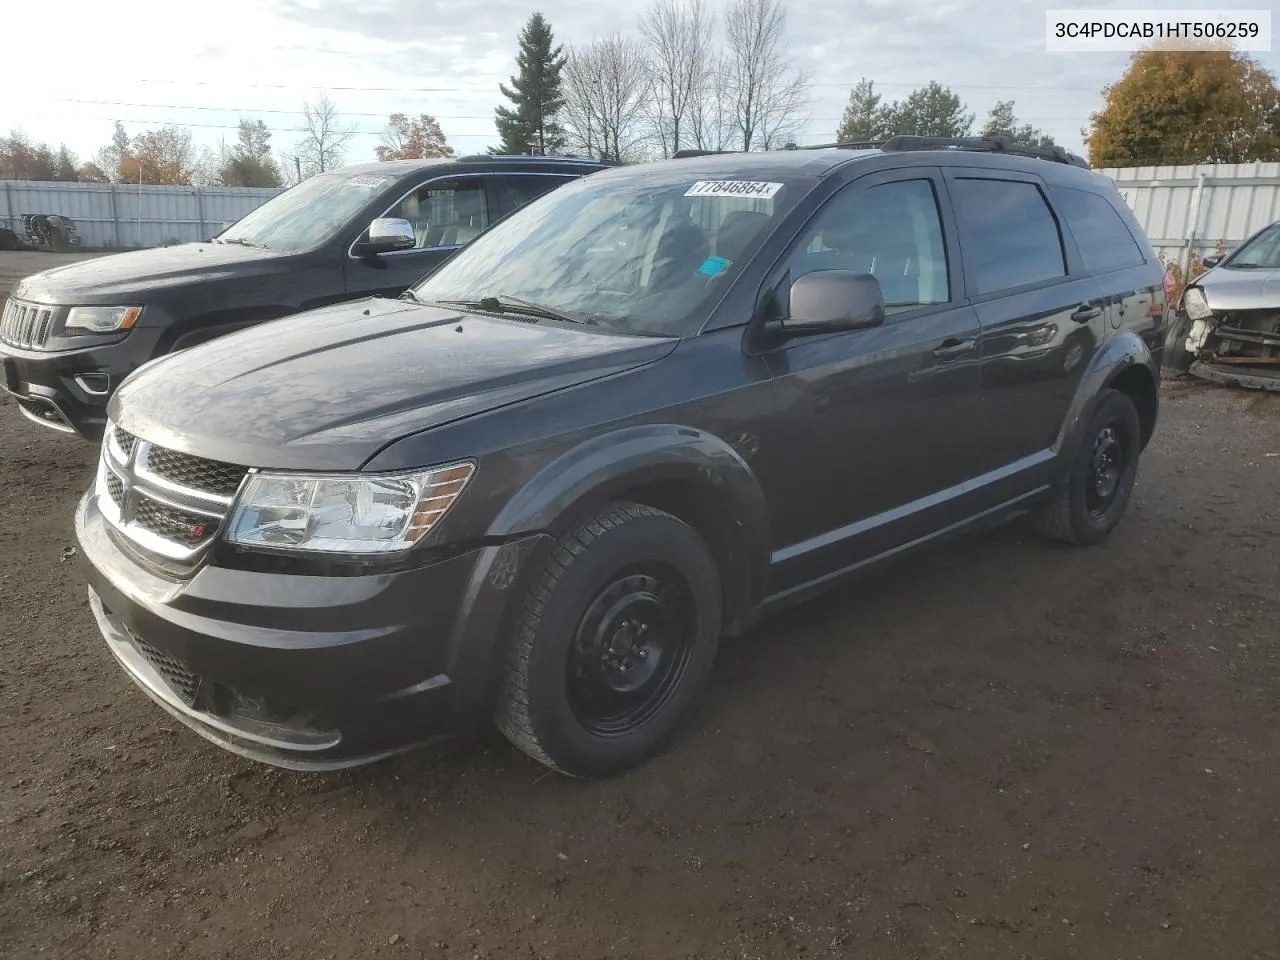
x=615, y=643
x=1101, y=481
x=1176, y=360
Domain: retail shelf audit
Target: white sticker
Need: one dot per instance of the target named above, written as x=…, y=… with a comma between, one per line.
x=368, y=181
x=748, y=189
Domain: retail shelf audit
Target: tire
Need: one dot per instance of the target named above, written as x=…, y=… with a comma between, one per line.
x=566, y=697
x=1176, y=360
x=1087, y=509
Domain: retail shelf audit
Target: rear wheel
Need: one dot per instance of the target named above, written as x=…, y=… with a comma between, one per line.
x=1101, y=482
x=615, y=644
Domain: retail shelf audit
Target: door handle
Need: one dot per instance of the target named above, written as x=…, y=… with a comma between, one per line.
x=1085, y=312
x=951, y=348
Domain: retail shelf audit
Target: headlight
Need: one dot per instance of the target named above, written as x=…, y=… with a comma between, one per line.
x=1196, y=305
x=101, y=319
x=345, y=513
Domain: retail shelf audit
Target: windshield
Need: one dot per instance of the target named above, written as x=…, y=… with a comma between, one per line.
x=308, y=214
x=1263, y=252
x=642, y=252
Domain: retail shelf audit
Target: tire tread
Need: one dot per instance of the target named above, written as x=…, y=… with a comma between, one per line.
x=1054, y=520
x=513, y=716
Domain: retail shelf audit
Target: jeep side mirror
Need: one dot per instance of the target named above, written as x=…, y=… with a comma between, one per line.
x=387, y=234
x=828, y=300
x=1212, y=260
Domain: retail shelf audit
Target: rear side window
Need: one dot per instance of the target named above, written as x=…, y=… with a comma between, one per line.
x=516, y=190
x=1105, y=242
x=1011, y=236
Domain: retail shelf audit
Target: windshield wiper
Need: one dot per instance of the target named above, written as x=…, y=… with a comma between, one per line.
x=241, y=241
x=502, y=303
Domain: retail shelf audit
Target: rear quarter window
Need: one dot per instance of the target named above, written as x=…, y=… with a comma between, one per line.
x=1105, y=242
x=1011, y=237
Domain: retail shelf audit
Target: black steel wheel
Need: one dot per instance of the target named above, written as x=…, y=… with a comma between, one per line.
x=615, y=645
x=631, y=650
x=1097, y=491
x=1107, y=461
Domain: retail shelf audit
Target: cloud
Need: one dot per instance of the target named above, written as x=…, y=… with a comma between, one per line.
x=447, y=57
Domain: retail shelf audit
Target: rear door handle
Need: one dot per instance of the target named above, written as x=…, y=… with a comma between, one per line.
x=952, y=347
x=1085, y=312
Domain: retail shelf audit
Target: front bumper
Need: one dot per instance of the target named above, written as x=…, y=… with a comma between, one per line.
x=1234, y=375
x=307, y=672
x=68, y=390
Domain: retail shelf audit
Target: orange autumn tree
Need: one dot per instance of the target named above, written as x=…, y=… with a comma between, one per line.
x=406, y=139
x=161, y=156
x=1213, y=105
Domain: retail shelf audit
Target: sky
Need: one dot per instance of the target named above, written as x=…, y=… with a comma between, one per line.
x=147, y=63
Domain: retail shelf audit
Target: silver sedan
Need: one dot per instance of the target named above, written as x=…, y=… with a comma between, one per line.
x=1228, y=324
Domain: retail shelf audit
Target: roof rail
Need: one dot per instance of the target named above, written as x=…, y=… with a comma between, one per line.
x=683, y=154
x=848, y=145
x=1007, y=145
x=539, y=158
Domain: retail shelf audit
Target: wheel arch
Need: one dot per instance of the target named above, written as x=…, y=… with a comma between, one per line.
x=1123, y=363
x=689, y=473
x=204, y=327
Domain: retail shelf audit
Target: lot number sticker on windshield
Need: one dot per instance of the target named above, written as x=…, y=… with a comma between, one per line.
x=750, y=189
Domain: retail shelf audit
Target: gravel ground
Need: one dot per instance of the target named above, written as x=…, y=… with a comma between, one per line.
x=997, y=749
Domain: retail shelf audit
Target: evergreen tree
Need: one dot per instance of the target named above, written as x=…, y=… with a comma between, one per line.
x=1001, y=122
x=66, y=165
x=865, y=117
x=932, y=111
x=536, y=95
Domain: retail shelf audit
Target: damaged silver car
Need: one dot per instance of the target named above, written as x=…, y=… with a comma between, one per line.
x=1228, y=325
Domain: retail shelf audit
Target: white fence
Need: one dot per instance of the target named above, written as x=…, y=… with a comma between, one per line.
x=1196, y=209
x=1182, y=209
x=121, y=215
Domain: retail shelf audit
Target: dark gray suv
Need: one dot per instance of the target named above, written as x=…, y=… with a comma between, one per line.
x=644, y=410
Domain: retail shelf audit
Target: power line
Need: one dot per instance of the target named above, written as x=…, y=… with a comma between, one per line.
x=228, y=126
x=357, y=89
x=245, y=110
x=250, y=111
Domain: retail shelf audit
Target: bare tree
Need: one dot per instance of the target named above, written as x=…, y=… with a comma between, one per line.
x=712, y=123
x=606, y=88
x=323, y=147
x=679, y=36
x=767, y=96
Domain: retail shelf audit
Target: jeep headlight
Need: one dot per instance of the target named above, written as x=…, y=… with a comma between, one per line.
x=1196, y=305
x=344, y=513
x=100, y=319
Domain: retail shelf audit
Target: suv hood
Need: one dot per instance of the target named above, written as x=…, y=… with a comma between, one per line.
x=131, y=276
x=328, y=389
x=1228, y=290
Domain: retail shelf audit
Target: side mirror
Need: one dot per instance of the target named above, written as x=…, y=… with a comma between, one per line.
x=387, y=234
x=1212, y=260
x=828, y=300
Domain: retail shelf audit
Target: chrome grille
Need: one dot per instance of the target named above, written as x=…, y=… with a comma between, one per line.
x=169, y=503
x=115, y=490
x=124, y=440
x=188, y=471
x=171, y=523
x=25, y=325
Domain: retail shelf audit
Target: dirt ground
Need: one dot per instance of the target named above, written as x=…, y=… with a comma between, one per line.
x=997, y=749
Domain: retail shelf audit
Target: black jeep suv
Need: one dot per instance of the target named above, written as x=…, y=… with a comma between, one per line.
x=70, y=335
x=652, y=405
